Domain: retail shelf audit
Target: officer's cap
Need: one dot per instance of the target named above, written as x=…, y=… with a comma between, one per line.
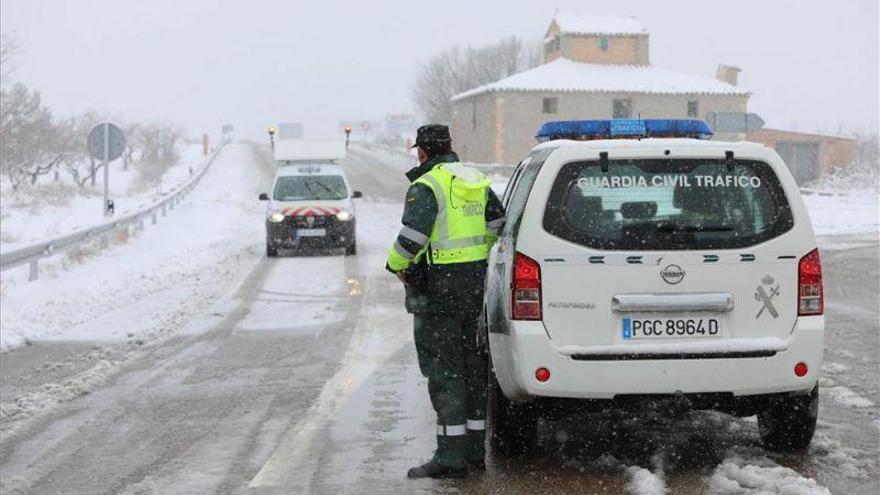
x=432, y=133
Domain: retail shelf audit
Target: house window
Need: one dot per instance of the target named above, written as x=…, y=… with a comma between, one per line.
x=603, y=43
x=693, y=109
x=551, y=105
x=622, y=109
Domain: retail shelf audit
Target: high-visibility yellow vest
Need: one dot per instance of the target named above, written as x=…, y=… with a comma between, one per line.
x=459, y=234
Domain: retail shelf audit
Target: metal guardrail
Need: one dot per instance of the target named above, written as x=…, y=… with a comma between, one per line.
x=32, y=254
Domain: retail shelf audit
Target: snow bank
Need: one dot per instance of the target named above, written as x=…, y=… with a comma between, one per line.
x=739, y=475
x=851, y=212
x=30, y=220
x=138, y=288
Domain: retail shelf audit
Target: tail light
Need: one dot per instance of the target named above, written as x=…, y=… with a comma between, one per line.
x=811, y=299
x=526, y=297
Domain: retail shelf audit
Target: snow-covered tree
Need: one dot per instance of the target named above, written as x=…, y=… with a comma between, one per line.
x=459, y=69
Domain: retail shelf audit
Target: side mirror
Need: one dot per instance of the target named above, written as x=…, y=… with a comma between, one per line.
x=264, y=197
x=357, y=194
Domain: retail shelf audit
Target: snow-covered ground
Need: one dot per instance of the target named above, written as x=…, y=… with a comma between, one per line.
x=147, y=284
x=856, y=211
x=26, y=220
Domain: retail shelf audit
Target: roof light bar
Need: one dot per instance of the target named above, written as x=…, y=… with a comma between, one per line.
x=585, y=130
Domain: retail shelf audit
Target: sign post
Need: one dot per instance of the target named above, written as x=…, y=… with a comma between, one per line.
x=106, y=142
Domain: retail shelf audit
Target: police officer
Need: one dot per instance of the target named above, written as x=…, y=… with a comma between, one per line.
x=451, y=218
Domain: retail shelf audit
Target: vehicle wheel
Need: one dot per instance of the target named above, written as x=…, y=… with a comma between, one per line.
x=788, y=424
x=271, y=251
x=513, y=428
x=351, y=249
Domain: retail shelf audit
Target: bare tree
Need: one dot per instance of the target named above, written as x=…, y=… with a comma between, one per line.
x=8, y=50
x=27, y=136
x=459, y=69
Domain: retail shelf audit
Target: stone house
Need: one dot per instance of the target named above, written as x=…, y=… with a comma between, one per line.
x=595, y=68
x=808, y=156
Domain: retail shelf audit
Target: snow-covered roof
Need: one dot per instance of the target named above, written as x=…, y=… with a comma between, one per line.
x=567, y=76
x=598, y=25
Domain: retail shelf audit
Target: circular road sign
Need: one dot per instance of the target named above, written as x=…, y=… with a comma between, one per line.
x=96, y=142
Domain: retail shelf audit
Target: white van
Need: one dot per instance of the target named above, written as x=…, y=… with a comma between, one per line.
x=310, y=206
x=641, y=266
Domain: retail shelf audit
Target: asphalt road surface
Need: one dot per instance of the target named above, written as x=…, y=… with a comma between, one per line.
x=304, y=380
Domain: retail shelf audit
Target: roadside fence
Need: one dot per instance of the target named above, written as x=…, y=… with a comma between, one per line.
x=33, y=254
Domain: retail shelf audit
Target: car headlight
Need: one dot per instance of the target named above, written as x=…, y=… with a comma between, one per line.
x=345, y=215
x=276, y=217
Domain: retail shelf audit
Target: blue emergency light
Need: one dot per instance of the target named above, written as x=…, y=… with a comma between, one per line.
x=585, y=130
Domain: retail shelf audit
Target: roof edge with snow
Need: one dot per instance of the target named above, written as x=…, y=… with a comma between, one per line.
x=598, y=25
x=567, y=76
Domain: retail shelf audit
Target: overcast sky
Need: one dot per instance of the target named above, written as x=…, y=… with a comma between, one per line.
x=812, y=65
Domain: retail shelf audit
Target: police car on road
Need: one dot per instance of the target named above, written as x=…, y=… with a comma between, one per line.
x=310, y=206
x=644, y=264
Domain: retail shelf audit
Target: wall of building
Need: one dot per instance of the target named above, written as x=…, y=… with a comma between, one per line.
x=551, y=53
x=521, y=114
x=622, y=50
x=833, y=151
x=474, y=126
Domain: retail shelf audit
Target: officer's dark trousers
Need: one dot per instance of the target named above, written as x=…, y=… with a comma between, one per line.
x=456, y=370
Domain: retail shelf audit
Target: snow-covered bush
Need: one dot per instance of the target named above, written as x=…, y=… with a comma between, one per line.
x=862, y=173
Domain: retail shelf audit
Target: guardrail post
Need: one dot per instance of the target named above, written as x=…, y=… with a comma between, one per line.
x=163, y=210
x=34, y=270
x=154, y=218
x=105, y=241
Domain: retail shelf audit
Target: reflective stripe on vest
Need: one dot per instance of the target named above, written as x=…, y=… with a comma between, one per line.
x=460, y=231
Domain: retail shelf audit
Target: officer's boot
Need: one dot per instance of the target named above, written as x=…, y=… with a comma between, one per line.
x=476, y=448
x=448, y=461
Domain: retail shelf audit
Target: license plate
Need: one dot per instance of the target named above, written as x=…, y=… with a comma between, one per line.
x=311, y=232
x=670, y=328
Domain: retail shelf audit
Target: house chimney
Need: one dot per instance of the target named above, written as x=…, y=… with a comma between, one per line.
x=728, y=73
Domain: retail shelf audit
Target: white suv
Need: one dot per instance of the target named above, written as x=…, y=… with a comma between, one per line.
x=653, y=270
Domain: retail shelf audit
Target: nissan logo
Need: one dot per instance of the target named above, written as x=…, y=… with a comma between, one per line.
x=672, y=274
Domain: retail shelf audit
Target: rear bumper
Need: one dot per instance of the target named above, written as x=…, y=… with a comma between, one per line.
x=516, y=357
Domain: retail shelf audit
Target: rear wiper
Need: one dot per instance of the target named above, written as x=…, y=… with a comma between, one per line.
x=672, y=227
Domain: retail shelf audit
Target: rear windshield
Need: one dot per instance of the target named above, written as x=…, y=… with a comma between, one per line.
x=310, y=187
x=667, y=204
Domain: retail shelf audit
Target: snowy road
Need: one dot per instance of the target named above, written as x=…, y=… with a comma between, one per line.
x=227, y=372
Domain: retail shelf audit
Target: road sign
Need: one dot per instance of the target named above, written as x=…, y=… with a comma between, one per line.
x=734, y=121
x=106, y=142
